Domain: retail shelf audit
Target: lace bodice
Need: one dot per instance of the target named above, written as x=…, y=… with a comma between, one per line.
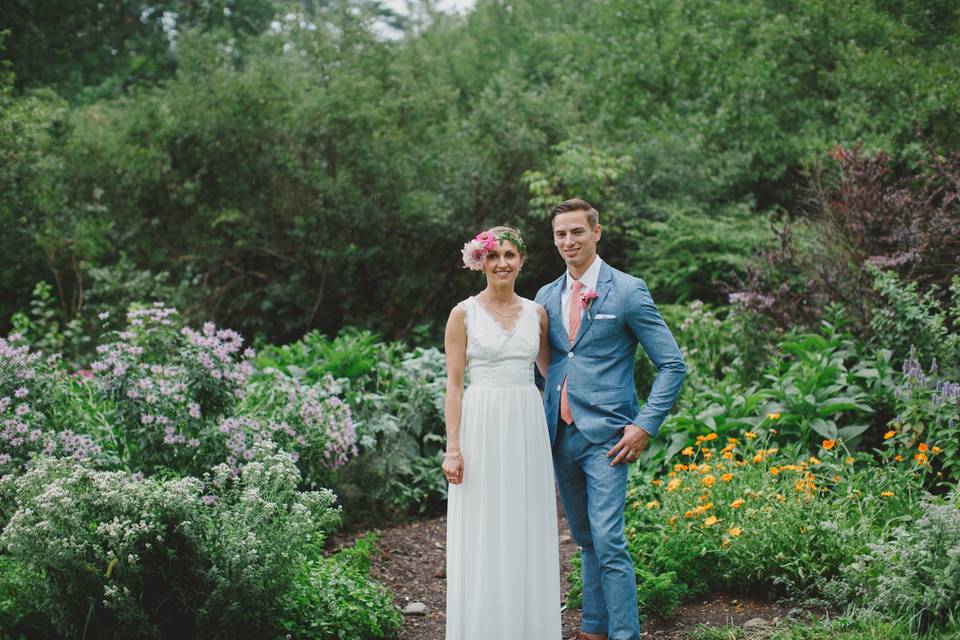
x=496, y=357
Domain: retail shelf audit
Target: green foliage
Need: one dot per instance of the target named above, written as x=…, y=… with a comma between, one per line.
x=111, y=555
x=843, y=628
x=904, y=319
x=333, y=598
x=914, y=574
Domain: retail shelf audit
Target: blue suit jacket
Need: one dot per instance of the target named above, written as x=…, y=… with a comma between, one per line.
x=600, y=363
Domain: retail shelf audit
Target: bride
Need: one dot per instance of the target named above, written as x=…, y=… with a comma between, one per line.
x=503, y=573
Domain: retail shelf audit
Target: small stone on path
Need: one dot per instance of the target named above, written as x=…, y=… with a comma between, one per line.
x=415, y=609
x=754, y=622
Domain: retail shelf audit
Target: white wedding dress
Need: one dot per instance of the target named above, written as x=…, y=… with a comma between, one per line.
x=503, y=565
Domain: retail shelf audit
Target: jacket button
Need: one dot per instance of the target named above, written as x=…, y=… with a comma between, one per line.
x=570, y=354
x=558, y=387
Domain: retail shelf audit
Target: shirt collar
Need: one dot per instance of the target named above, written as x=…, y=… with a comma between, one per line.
x=589, y=278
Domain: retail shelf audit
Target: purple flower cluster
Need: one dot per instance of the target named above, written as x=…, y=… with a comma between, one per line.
x=25, y=382
x=332, y=418
x=166, y=382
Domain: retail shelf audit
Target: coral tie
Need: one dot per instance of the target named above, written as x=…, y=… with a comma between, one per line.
x=573, y=324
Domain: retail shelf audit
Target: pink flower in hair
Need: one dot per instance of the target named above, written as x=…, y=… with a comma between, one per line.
x=477, y=249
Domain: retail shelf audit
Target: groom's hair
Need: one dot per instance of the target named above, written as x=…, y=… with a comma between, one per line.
x=577, y=204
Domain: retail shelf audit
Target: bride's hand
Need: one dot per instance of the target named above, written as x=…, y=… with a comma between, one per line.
x=453, y=467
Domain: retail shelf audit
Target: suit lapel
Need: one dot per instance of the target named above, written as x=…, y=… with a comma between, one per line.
x=555, y=312
x=603, y=290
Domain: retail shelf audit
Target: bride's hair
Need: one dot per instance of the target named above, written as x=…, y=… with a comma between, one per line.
x=511, y=234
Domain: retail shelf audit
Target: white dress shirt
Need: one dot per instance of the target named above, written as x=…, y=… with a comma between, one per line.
x=588, y=280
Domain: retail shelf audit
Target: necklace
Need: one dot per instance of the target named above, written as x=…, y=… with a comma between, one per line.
x=499, y=313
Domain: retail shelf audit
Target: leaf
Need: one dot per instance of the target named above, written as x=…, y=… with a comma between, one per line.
x=851, y=431
x=826, y=428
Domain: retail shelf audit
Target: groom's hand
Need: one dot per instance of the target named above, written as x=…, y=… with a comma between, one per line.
x=628, y=449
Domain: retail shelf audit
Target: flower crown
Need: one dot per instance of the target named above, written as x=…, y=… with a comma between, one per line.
x=483, y=243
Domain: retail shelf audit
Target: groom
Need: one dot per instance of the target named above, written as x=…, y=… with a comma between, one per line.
x=597, y=317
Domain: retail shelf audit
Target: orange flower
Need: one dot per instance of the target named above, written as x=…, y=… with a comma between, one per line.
x=758, y=457
x=707, y=454
x=708, y=480
x=673, y=485
x=749, y=435
x=889, y=434
x=728, y=456
x=711, y=436
x=672, y=520
x=886, y=494
x=688, y=451
x=736, y=504
x=653, y=504
x=679, y=467
x=689, y=514
x=727, y=477
x=922, y=447
x=849, y=460
x=672, y=474
x=774, y=416
x=656, y=483
x=774, y=471
x=736, y=532
x=732, y=440
x=937, y=450
x=725, y=543
x=898, y=458
x=635, y=506
x=710, y=521
x=921, y=458
x=815, y=460
x=781, y=498
x=829, y=444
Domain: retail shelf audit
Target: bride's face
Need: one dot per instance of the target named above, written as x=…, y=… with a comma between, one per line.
x=503, y=264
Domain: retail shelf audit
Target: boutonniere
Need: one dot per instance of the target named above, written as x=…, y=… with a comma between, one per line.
x=586, y=297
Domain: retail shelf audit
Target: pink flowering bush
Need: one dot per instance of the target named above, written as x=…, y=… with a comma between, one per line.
x=306, y=419
x=29, y=387
x=164, y=387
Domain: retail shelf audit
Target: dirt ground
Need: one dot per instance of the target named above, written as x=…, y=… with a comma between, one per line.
x=411, y=563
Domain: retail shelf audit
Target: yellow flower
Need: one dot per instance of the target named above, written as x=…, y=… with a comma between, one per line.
x=836, y=478
x=673, y=485
x=889, y=434
x=829, y=444
x=679, y=467
x=725, y=543
x=711, y=436
x=688, y=451
x=774, y=471
x=749, y=435
x=710, y=521
x=732, y=440
x=921, y=458
x=774, y=416
x=815, y=460
x=708, y=480
x=886, y=494
x=736, y=504
x=736, y=532
x=672, y=520
x=704, y=468
x=653, y=504
x=758, y=457
x=672, y=474
x=707, y=454
x=898, y=458
x=689, y=514
x=656, y=483
x=729, y=447
x=780, y=497
x=849, y=460
x=936, y=450
x=728, y=456
x=635, y=505
x=922, y=447
x=727, y=477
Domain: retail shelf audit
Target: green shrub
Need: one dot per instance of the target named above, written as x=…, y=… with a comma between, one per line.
x=911, y=575
x=334, y=598
x=112, y=555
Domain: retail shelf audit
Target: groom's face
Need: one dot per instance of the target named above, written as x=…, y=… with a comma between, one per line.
x=575, y=239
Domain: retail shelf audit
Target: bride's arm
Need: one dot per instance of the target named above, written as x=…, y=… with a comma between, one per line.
x=543, y=355
x=455, y=348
